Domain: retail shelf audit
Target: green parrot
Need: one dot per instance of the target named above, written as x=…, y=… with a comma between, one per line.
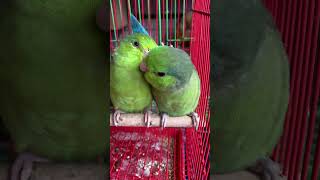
x=174, y=80
x=129, y=92
x=250, y=83
x=126, y=76
x=53, y=81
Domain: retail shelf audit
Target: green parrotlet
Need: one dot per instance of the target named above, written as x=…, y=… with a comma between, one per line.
x=129, y=92
x=53, y=81
x=125, y=74
x=174, y=80
x=250, y=83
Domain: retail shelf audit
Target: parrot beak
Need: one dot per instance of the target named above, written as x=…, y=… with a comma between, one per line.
x=143, y=67
x=145, y=53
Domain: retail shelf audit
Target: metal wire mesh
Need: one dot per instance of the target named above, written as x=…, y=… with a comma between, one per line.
x=184, y=24
x=167, y=21
x=198, y=146
x=298, y=22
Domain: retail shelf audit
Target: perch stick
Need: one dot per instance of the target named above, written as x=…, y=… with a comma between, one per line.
x=137, y=120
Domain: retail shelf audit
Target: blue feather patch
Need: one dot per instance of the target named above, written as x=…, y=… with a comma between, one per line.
x=136, y=26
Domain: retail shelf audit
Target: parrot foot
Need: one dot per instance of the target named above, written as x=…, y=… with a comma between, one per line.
x=164, y=118
x=116, y=117
x=195, y=119
x=266, y=169
x=24, y=163
x=147, y=114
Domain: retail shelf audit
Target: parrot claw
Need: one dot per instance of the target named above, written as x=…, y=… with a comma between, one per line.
x=266, y=169
x=116, y=117
x=162, y=44
x=164, y=118
x=147, y=114
x=195, y=119
x=24, y=163
x=171, y=45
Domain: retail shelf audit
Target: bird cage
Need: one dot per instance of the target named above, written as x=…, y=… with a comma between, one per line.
x=298, y=151
x=169, y=153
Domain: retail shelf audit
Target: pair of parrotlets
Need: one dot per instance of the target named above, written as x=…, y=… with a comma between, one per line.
x=141, y=70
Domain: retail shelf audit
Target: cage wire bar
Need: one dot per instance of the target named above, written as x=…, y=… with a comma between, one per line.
x=166, y=21
x=299, y=148
x=199, y=145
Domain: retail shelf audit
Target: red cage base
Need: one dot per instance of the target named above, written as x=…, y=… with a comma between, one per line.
x=146, y=153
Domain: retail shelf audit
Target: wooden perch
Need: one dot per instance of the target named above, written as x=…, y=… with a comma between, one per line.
x=137, y=120
x=52, y=171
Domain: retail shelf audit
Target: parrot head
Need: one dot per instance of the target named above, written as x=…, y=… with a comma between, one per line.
x=166, y=68
x=132, y=50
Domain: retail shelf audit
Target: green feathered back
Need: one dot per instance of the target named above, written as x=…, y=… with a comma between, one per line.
x=53, y=77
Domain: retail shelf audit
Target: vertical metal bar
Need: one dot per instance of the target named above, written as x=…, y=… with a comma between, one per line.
x=121, y=15
x=167, y=22
x=284, y=17
x=171, y=21
x=157, y=25
x=149, y=18
x=309, y=56
x=139, y=11
x=129, y=13
x=311, y=127
x=178, y=24
x=287, y=18
x=135, y=8
x=315, y=97
x=163, y=22
x=302, y=87
x=183, y=22
x=294, y=82
x=159, y=21
x=142, y=12
x=113, y=23
x=175, y=23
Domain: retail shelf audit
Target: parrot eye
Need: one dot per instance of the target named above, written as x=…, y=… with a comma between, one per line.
x=161, y=74
x=136, y=44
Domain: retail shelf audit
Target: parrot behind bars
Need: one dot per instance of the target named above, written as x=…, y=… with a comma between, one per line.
x=174, y=80
x=129, y=92
x=250, y=75
x=53, y=81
